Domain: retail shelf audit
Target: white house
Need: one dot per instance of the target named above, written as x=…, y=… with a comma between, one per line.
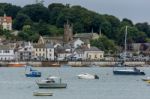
x=62, y=52
x=6, y=22
x=24, y=52
x=44, y=51
x=6, y=53
x=76, y=43
x=93, y=53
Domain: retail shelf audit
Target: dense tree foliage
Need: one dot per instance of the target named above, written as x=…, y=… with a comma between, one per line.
x=35, y=20
x=104, y=44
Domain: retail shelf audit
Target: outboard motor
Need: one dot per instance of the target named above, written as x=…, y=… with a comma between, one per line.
x=96, y=77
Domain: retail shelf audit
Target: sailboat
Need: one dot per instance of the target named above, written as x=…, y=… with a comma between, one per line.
x=127, y=71
x=51, y=82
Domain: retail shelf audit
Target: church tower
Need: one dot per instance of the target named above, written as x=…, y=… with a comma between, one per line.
x=68, y=32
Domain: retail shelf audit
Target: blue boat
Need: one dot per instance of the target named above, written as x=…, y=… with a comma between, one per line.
x=33, y=73
x=133, y=71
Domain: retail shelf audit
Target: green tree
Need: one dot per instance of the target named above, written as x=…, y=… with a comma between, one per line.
x=20, y=21
x=104, y=44
x=36, y=12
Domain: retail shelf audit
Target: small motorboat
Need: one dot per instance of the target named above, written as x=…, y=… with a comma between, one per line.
x=146, y=79
x=87, y=76
x=42, y=93
x=51, y=82
x=31, y=72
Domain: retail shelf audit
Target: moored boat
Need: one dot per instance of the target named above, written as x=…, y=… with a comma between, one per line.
x=31, y=72
x=87, y=76
x=133, y=71
x=15, y=64
x=146, y=79
x=42, y=93
x=51, y=83
x=125, y=71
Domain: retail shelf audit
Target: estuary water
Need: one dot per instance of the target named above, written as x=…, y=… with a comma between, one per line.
x=14, y=84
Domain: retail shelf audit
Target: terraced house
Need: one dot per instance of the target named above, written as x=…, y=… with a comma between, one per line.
x=6, y=53
x=43, y=51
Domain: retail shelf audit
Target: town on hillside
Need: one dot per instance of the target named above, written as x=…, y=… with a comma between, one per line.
x=69, y=47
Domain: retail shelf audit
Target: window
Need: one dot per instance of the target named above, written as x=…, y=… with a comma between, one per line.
x=43, y=49
x=49, y=54
x=100, y=56
x=43, y=54
x=95, y=56
x=6, y=51
x=39, y=49
x=89, y=56
x=8, y=27
x=50, y=50
x=29, y=53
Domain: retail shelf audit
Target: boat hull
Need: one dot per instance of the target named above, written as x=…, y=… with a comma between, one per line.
x=42, y=93
x=128, y=73
x=52, y=85
x=30, y=75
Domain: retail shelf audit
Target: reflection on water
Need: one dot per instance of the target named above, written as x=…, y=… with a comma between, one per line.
x=14, y=84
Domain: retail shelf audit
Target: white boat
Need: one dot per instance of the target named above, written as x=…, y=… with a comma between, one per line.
x=42, y=93
x=146, y=79
x=51, y=82
x=87, y=76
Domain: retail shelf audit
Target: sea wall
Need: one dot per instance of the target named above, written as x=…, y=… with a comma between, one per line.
x=78, y=63
x=104, y=63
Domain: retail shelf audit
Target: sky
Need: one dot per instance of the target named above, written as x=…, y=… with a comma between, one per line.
x=135, y=10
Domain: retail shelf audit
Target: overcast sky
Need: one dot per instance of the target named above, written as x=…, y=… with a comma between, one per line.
x=136, y=10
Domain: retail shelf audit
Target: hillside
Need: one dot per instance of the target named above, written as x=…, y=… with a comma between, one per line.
x=35, y=20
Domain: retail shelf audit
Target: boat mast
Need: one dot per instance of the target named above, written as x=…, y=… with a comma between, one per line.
x=125, y=45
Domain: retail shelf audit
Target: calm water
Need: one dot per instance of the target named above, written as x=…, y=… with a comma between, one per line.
x=14, y=85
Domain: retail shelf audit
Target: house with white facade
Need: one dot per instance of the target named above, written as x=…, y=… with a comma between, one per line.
x=76, y=43
x=93, y=53
x=6, y=53
x=6, y=22
x=62, y=52
x=43, y=51
x=24, y=52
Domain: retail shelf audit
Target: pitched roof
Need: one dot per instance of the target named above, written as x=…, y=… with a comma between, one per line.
x=7, y=19
x=43, y=46
x=86, y=35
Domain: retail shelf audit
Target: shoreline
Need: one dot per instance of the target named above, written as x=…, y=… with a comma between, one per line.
x=76, y=64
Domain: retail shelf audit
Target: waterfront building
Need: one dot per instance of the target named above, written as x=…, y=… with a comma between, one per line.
x=93, y=53
x=63, y=51
x=6, y=22
x=6, y=53
x=78, y=54
x=76, y=43
x=43, y=51
x=24, y=52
